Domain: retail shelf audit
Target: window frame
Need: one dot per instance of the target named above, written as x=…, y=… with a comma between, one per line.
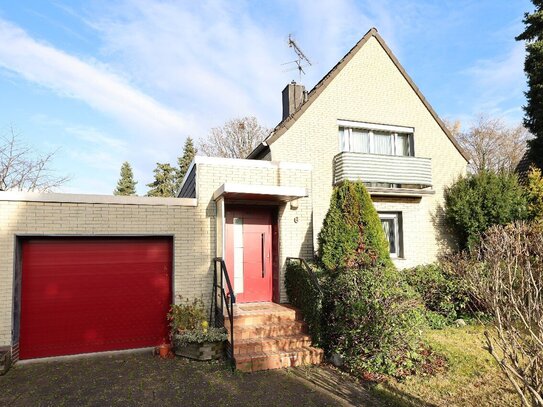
x=396, y=218
x=345, y=137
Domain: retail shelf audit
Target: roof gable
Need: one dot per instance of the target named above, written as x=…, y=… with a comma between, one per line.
x=285, y=124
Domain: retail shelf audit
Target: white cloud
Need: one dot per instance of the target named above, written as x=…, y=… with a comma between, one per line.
x=97, y=137
x=88, y=81
x=499, y=84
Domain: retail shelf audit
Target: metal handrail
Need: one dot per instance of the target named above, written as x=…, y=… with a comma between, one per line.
x=226, y=298
x=307, y=268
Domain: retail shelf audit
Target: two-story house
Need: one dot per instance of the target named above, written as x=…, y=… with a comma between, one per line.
x=68, y=260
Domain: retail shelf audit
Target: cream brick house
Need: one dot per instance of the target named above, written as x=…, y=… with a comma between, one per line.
x=71, y=262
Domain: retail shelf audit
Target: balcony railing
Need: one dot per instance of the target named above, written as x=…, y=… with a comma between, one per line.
x=387, y=169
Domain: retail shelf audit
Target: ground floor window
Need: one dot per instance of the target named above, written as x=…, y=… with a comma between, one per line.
x=392, y=225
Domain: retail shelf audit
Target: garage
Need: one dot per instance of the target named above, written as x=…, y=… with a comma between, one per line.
x=93, y=294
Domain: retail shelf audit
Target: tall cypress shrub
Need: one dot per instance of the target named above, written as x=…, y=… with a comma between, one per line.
x=352, y=235
x=370, y=315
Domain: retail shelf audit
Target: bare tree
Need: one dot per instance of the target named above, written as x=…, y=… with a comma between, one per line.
x=491, y=144
x=23, y=169
x=235, y=139
x=508, y=279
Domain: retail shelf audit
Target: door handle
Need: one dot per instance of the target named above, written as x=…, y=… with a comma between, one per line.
x=263, y=245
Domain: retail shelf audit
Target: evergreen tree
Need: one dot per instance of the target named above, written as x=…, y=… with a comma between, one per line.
x=189, y=151
x=533, y=66
x=351, y=234
x=126, y=184
x=164, y=183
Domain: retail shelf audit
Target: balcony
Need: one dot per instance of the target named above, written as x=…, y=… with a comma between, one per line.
x=407, y=173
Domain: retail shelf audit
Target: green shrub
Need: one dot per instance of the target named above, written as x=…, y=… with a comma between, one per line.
x=534, y=191
x=374, y=319
x=352, y=235
x=444, y=294
x=305, y=295
x=211, y=334
x=478, y=201
x=187, y=315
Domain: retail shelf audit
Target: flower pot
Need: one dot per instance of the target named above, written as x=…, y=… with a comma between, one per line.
x=164, y=350
x=201, y=351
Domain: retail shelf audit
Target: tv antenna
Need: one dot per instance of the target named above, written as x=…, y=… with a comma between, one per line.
x=302, y=61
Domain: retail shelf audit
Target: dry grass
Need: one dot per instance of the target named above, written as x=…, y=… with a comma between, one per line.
x=472, y=379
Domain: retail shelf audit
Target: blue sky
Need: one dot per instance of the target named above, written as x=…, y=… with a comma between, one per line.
x=104, y=82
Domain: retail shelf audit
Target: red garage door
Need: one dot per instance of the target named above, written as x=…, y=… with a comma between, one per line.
x=81, y=295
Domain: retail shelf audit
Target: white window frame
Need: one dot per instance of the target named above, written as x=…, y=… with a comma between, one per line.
x=348, y=126
x=398, y=238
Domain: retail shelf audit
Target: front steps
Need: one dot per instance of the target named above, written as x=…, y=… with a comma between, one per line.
x=271, y=336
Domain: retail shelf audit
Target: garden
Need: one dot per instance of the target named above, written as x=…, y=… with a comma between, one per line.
x=467, y=329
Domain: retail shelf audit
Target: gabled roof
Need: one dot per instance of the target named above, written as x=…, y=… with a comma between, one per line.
x=285, y=124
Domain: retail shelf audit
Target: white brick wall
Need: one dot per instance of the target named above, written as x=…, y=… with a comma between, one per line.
x=193, y=227
x=55, y=218
x=295, y=238
x=370, y=88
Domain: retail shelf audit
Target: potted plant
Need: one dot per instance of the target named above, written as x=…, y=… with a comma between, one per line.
x=192, y=337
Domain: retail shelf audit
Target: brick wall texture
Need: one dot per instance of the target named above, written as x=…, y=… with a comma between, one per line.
x=370, y=88
x=193, y=228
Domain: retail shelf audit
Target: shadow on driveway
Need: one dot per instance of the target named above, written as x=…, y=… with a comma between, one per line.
x=139, y=379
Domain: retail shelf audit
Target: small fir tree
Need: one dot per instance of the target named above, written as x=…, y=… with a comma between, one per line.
x=533, y=66
x=126, y=184
x=352, y=234
x=189, y=151
x=164, y=183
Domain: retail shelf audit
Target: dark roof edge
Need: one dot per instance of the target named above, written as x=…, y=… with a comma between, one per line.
x=285, y=124
x=259, y=150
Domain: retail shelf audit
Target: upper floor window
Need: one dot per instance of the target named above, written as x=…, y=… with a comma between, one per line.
x=376, y=139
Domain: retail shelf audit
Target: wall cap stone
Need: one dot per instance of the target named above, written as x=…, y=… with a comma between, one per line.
x=94, y=199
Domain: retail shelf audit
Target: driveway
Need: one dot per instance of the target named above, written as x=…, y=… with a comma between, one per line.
x=139, y=379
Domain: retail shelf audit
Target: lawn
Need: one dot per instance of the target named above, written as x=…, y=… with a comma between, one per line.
x=473, y=378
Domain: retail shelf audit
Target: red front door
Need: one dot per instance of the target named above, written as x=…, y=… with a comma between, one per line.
x=249, y=253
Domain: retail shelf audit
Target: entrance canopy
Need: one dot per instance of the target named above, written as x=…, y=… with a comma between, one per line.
x=259, y=192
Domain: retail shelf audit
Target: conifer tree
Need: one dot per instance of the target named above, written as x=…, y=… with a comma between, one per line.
x=351, y=234
x=126, y=184
x=189, y=151
x=533, y=66
x=164, y=183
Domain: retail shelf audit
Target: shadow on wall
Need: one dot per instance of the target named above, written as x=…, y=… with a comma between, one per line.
x=444, y=235
x=307, y=251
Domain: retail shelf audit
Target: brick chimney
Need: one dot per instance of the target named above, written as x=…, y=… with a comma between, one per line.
x=293, y=96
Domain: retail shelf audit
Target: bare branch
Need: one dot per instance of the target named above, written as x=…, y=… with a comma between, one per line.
x=235, y=139
x=506, y=275
x=23, y=169
x=491, y=144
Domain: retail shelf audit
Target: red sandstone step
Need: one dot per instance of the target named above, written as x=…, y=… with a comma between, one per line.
x=263, y=318
x=279, y=359
x=268, y=330
x=271, y=344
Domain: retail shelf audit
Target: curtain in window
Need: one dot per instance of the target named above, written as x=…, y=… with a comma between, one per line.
x=388, y=227
x=343, y=139
x=360, y=141
x=402, y=144
x=382, y=143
